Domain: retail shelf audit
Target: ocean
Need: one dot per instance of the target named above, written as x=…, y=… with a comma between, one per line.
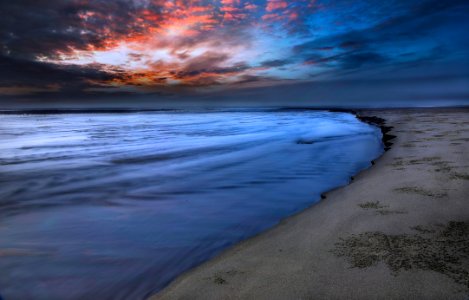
x=116, y=205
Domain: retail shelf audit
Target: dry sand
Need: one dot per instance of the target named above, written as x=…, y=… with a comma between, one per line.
x=400, y=230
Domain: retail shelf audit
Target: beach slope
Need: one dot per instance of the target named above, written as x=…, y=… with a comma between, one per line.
x=400, y=230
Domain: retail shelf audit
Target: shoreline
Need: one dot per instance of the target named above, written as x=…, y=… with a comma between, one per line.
x=243, y=271
x=387, y=144
x=385, y=129
x=265, y=208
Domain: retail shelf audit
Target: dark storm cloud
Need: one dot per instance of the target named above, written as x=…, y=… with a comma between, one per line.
x=36, y=28
x=276, y=62
x=30, y=28
x=22, y=78
x=207, y=67
x=13, y=70
x=357, y=60
x=348, y=60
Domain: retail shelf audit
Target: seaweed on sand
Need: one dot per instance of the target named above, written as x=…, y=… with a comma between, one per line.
x=444, y=250
x=420, y=191
x=372, y=205
x=379, y=208
x=460, y=176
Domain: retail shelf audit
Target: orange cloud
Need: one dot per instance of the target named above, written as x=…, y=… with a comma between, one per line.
x=229, y=2
x=250, y=6
x=272, y=17
x=293, y=16
x=275, y=4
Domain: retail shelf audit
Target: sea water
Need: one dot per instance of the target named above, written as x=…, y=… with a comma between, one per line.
x=116, y=205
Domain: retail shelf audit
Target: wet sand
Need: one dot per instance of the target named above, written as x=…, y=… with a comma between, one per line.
x=400, y=230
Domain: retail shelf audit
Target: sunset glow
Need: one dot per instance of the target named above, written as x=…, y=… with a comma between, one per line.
x=192, y=43
x=169, y=47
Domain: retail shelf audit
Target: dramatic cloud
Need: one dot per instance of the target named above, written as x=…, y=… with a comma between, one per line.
x=205, y=48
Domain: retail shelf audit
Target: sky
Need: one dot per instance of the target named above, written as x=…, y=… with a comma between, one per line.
x=163, y=53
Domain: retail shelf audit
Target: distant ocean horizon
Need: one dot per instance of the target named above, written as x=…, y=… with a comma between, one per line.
x=115, y=206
